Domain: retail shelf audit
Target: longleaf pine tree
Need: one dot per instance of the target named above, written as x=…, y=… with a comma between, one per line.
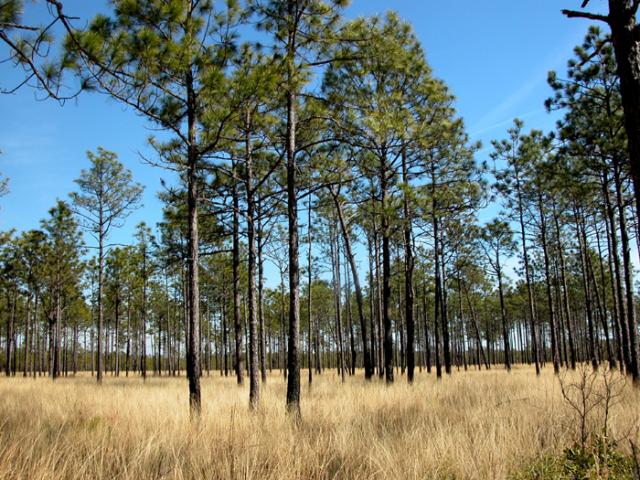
x=105, y=198
x=168, y=61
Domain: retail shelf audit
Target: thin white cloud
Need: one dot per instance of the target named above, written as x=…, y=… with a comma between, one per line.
x=506, y=121
x=504, y=112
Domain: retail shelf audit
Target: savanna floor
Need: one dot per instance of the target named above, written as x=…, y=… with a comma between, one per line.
x=476, y=425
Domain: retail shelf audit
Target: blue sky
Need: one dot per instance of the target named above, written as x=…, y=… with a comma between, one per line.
x=493, y=54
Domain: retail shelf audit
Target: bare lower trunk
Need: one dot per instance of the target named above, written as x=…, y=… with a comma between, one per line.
x=254, y=385
x=293, y=358
x=238, y=364
x=547, y=271
x=408, y=276
x=193, y=300
x=386, y=276
x=262, y=333
x=335, y=260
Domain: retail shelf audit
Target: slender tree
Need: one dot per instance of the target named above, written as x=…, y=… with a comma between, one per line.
x=169, y=65
x=106, y=197
x=301, y=29
x=497, y=242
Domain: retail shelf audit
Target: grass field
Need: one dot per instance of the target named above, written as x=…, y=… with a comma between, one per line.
x=477, y=425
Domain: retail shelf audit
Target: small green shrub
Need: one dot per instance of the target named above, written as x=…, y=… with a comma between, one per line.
x=599, y=459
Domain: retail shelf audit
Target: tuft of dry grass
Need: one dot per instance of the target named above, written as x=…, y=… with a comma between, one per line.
x=475, y=425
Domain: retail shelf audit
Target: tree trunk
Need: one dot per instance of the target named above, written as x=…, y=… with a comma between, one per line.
x=503, y=316
x=476, y=328
x=335, y=260
x=100, y=363
x=193, y=301
x=352, y=341
x=565, y=290
x=525, y=255
x=10, y=334
x=293, y=358
x=547, y=272
x=117, y=338
x=408, y=276
x=254, y=385
x=143, y=319
x=368, y=362
x=602, y=306
x=372, y=308
x=582, y=246
x=309, y=304
x=27, y=325
x=427, y=345
x=262, y=333
x=631, y=326
x=238, y=363
x=614, y=273
x=386, y=275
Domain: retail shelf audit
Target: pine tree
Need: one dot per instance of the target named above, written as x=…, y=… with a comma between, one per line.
x=378, y=78
x=32, y=250
x=510, y=183
x=625, y=37
x=592, y=135
x=497, y=243
x=105, y=198
x=301, y=30
x=62, y=272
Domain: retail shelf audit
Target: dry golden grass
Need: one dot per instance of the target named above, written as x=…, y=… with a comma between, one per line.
x=481, y=425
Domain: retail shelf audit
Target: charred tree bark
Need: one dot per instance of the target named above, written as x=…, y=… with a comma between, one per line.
x=238, y=363
x=193, y=299
x=386, y=274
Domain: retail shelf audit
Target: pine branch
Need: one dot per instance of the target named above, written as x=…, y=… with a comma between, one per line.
x=31, y=65
x=587, y=15
x=327, y=61
x=17, y=26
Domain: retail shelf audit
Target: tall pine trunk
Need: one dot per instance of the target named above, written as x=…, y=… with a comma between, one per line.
x=193, y=298
x=367, y=358
x=408, y=275
x=254, y=385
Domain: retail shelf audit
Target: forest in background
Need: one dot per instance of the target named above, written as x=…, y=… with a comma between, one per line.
x=333, y=152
